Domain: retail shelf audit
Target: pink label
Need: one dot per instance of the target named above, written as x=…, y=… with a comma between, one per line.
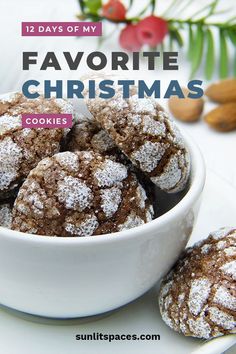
x=61, y=28
x=59, y=120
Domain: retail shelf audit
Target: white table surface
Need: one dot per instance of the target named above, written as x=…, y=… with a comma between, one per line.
x=219, y=149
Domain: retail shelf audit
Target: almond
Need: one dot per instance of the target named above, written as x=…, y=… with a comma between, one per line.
x=222, y=118
x=186, y=109
x=223, y=91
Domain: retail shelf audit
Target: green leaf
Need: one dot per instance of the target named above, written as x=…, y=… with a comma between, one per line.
x=93, y=6
x=175, y=36
x=190, y=41
x=232, y=36
x=93, y=18
x=178, y=38
x=153, y=5
x=223, y=67
x=81, y=3
x=197, y=49
x=210, y=55
x=130, y=3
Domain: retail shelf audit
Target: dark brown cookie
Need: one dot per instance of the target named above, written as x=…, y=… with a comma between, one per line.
x=80, y=194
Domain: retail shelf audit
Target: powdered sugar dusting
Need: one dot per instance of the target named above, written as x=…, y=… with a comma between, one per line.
x=206, y=248
x=221, y=245
x=65, y=105
x=132, y=220
x=149, y=213
x=199, y=327
x=118, y=103
x=8, y=123
x=111, y=199
x=167, y=319
x=135, y=119
x=145, y=105
x=181, y=298
x=141, y=195
x=221, y=233
x=153, y=127
x=199, y=292
x=230, y=269
x=110, y=173
x=224, y=298
x=170, y=176
x=221, y=318
x=36, y=204
x=168, y=301
x=74, y=193
x=230, y=251
x=85, y=228
x=68, y=160
x=10, y=158
x=166, y=288
x=176, y=136
x=5, y=215
x=148, y=155
x=87, y=156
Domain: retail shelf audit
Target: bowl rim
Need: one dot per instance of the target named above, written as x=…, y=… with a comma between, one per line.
x=197, y=182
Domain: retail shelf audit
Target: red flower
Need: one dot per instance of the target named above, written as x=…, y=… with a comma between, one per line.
x=129, y=40
x=114, y=10
x=152, y=30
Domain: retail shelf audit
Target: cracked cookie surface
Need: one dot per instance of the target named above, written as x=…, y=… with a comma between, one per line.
x=6, y=215
x=80, y=194
x=22, y=148
x=198, y=296
x=147, y=136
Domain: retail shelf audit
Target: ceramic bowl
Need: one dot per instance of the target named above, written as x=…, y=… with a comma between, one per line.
x=77, y=277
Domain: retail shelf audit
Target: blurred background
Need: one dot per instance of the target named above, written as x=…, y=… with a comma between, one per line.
x=218, y=148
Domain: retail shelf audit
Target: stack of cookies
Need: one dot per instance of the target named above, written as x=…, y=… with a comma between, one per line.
x=93, y=179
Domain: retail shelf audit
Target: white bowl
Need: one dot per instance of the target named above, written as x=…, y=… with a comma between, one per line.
x=76, y=277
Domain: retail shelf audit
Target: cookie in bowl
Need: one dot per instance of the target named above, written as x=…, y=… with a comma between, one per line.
x=22, y=148
x=6, y=214
x=80, y=194
x=87, y=134
x=147, y=136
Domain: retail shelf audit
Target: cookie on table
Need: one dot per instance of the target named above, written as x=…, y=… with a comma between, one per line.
x=80, y=194
x=198, y=296
x=22, y=148
x=147, y=136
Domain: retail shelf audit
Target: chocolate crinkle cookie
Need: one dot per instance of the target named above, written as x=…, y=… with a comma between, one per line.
x=147, y=136
x=80, y=194
x=22, y=148
x=87, y=134
x=198, y=297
